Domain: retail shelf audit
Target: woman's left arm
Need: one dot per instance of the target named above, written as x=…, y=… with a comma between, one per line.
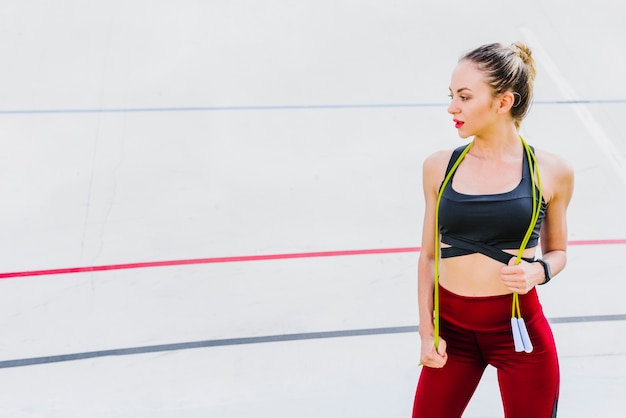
x=558, y=181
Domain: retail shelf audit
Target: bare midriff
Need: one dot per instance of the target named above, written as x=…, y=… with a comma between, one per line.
x=475, y=274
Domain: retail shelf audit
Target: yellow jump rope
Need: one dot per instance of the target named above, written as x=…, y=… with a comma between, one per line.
x=520, y=334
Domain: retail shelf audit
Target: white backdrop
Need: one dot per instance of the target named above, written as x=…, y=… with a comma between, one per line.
x=139, y=132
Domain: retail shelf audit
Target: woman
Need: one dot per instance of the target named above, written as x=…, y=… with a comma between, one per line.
x=499, y=202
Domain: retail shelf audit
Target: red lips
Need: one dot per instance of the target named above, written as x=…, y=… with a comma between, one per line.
x=458, y=123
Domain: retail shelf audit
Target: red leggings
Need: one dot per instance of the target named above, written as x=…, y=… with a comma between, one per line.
x=478, y=333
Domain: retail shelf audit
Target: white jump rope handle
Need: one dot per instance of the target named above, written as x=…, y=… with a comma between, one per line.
x=520, y=335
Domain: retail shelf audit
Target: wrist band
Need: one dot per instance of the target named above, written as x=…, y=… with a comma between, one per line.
x=546, y=270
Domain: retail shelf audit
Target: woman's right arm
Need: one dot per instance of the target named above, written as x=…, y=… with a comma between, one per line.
x=432, y=176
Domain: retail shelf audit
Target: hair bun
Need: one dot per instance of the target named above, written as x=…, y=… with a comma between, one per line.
x=523, y=51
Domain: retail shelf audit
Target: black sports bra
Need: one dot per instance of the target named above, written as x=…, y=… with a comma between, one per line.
x=489, y=223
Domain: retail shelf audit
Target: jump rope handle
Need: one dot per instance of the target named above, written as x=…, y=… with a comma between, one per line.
x=521, y=339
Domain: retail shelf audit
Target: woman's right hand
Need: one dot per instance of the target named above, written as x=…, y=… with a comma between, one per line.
x=431, y=356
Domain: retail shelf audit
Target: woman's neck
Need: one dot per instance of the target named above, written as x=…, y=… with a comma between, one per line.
x=497, y=145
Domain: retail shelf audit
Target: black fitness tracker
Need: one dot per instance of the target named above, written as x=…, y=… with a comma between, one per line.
x=546, y=270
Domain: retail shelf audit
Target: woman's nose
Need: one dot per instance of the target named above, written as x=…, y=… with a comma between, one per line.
x=453, y=108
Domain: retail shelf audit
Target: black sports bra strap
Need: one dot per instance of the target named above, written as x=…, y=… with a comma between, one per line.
x=455, y=156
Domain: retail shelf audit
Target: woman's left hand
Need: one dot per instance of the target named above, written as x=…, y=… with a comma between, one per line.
x=519, y=278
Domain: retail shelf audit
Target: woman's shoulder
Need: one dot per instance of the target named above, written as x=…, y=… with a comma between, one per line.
x=437, y=161
x=553, y=163
x=557, y=173
x=435, y=165
x=441, y=158
x=438, y=157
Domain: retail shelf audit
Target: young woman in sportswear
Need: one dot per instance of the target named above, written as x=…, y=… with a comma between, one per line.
x=488, y=205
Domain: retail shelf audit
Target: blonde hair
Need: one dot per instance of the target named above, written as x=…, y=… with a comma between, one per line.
x=508, y=68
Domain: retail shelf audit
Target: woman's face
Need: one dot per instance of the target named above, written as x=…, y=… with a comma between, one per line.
x=473, y=106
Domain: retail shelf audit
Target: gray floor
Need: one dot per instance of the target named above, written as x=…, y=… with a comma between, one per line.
x=212, y=208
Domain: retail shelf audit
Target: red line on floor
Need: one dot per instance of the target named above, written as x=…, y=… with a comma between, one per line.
x=234, y=259
x=206, y=261
x=597, y=242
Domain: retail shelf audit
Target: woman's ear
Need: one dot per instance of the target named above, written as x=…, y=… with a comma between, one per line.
x=507, y=101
